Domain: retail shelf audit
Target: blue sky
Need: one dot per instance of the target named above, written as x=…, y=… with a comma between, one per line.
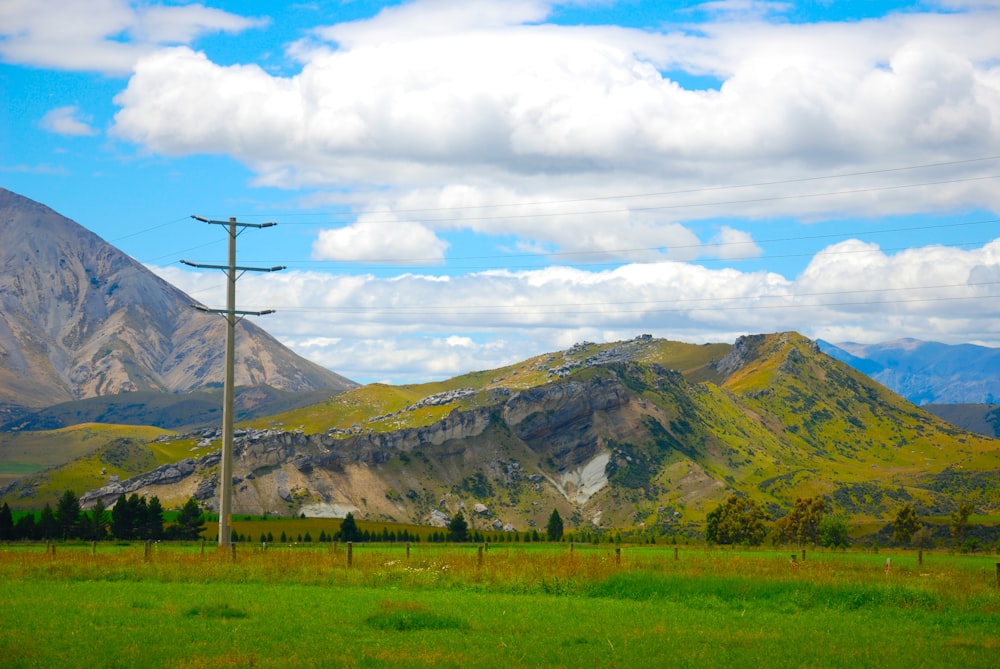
x=460, y=185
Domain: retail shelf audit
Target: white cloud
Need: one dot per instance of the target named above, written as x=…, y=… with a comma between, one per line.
x=385, y=240
x=418, y=327
x=433, y=98
x=67, y=121
x=102, y=35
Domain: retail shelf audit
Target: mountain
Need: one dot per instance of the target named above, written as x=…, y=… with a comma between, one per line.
x=981, y=418
x=170, y=411
x=641, y=433
x=926, y=372
x=80, y=319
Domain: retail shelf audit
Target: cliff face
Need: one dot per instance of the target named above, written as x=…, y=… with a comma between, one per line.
x=505, y=451
x=609, y=441
x=80, y=319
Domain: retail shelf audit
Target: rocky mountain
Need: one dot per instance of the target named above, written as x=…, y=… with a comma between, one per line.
x=927, y=372
x=80, y=319
x=643, y=433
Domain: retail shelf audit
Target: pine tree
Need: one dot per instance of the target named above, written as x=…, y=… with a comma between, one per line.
x=190, y=522
x=153, y=522
x=458, y=528
x=6, y=523
x=96, y=522
x=555, y=526
x=349, y=529
x=68, y=515
x=47, y=526
x=27, y=528
x=121, y=519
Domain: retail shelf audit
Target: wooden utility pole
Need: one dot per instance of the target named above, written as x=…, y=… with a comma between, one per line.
x=233, y=272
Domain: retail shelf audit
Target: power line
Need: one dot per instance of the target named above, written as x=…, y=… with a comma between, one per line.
x=674, y=247
x=696, y=303
x=688, y=191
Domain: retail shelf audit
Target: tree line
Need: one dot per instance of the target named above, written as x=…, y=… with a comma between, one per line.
x=740, y=520
x=130, y=518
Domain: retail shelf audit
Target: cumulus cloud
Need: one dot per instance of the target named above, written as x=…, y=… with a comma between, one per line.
x=419, y=326
x=105, y=36
x=67, y=121
x=382, y=240
x=429, y=98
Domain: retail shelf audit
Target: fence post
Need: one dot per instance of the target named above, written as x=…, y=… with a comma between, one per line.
x=803, y=554
x=675, y=553
x=920, y=557
x=93, y=548
x=145, y=551
x=407, y=550
x=350, y=553
x=618, y=556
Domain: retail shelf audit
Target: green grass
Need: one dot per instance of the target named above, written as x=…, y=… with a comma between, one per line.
x=537, y=605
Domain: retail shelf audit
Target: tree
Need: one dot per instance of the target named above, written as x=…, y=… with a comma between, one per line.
x=349, y=529
x=738, y=520
x=137, y=507
x=905, y=524
x=833, y=531
x=121, y=519
x=68, y=515
x=555, y=526
x=802, y=524
x=26, y=527
x=923, y=538
x=152, y=526
x=48, y=524
x=94, y=524
x=960, y=521
x=190, y=522
x=6, y=523
x=458, y=528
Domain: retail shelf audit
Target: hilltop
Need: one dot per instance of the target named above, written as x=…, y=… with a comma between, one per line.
x=642, y=432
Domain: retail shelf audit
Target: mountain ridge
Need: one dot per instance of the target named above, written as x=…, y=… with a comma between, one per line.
x=926, y=372
x=80, y=319
x=643, y=433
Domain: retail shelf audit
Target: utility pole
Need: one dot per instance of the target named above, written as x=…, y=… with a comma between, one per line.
x=233, y=272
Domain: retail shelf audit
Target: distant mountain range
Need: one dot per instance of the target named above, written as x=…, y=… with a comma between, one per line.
x=80, y=319
x=926, y=372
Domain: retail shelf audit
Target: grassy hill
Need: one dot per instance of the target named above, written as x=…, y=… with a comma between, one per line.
x=642, y=433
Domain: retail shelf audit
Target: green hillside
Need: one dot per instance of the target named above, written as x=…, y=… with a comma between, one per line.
x=642, y=433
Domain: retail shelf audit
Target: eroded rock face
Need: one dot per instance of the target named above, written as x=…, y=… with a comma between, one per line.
x=490, y=453
x=743, y=350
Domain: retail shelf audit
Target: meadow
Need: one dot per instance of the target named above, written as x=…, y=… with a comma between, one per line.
x=502, y=605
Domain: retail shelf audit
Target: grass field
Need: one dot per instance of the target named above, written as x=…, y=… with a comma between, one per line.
x=183, y=605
